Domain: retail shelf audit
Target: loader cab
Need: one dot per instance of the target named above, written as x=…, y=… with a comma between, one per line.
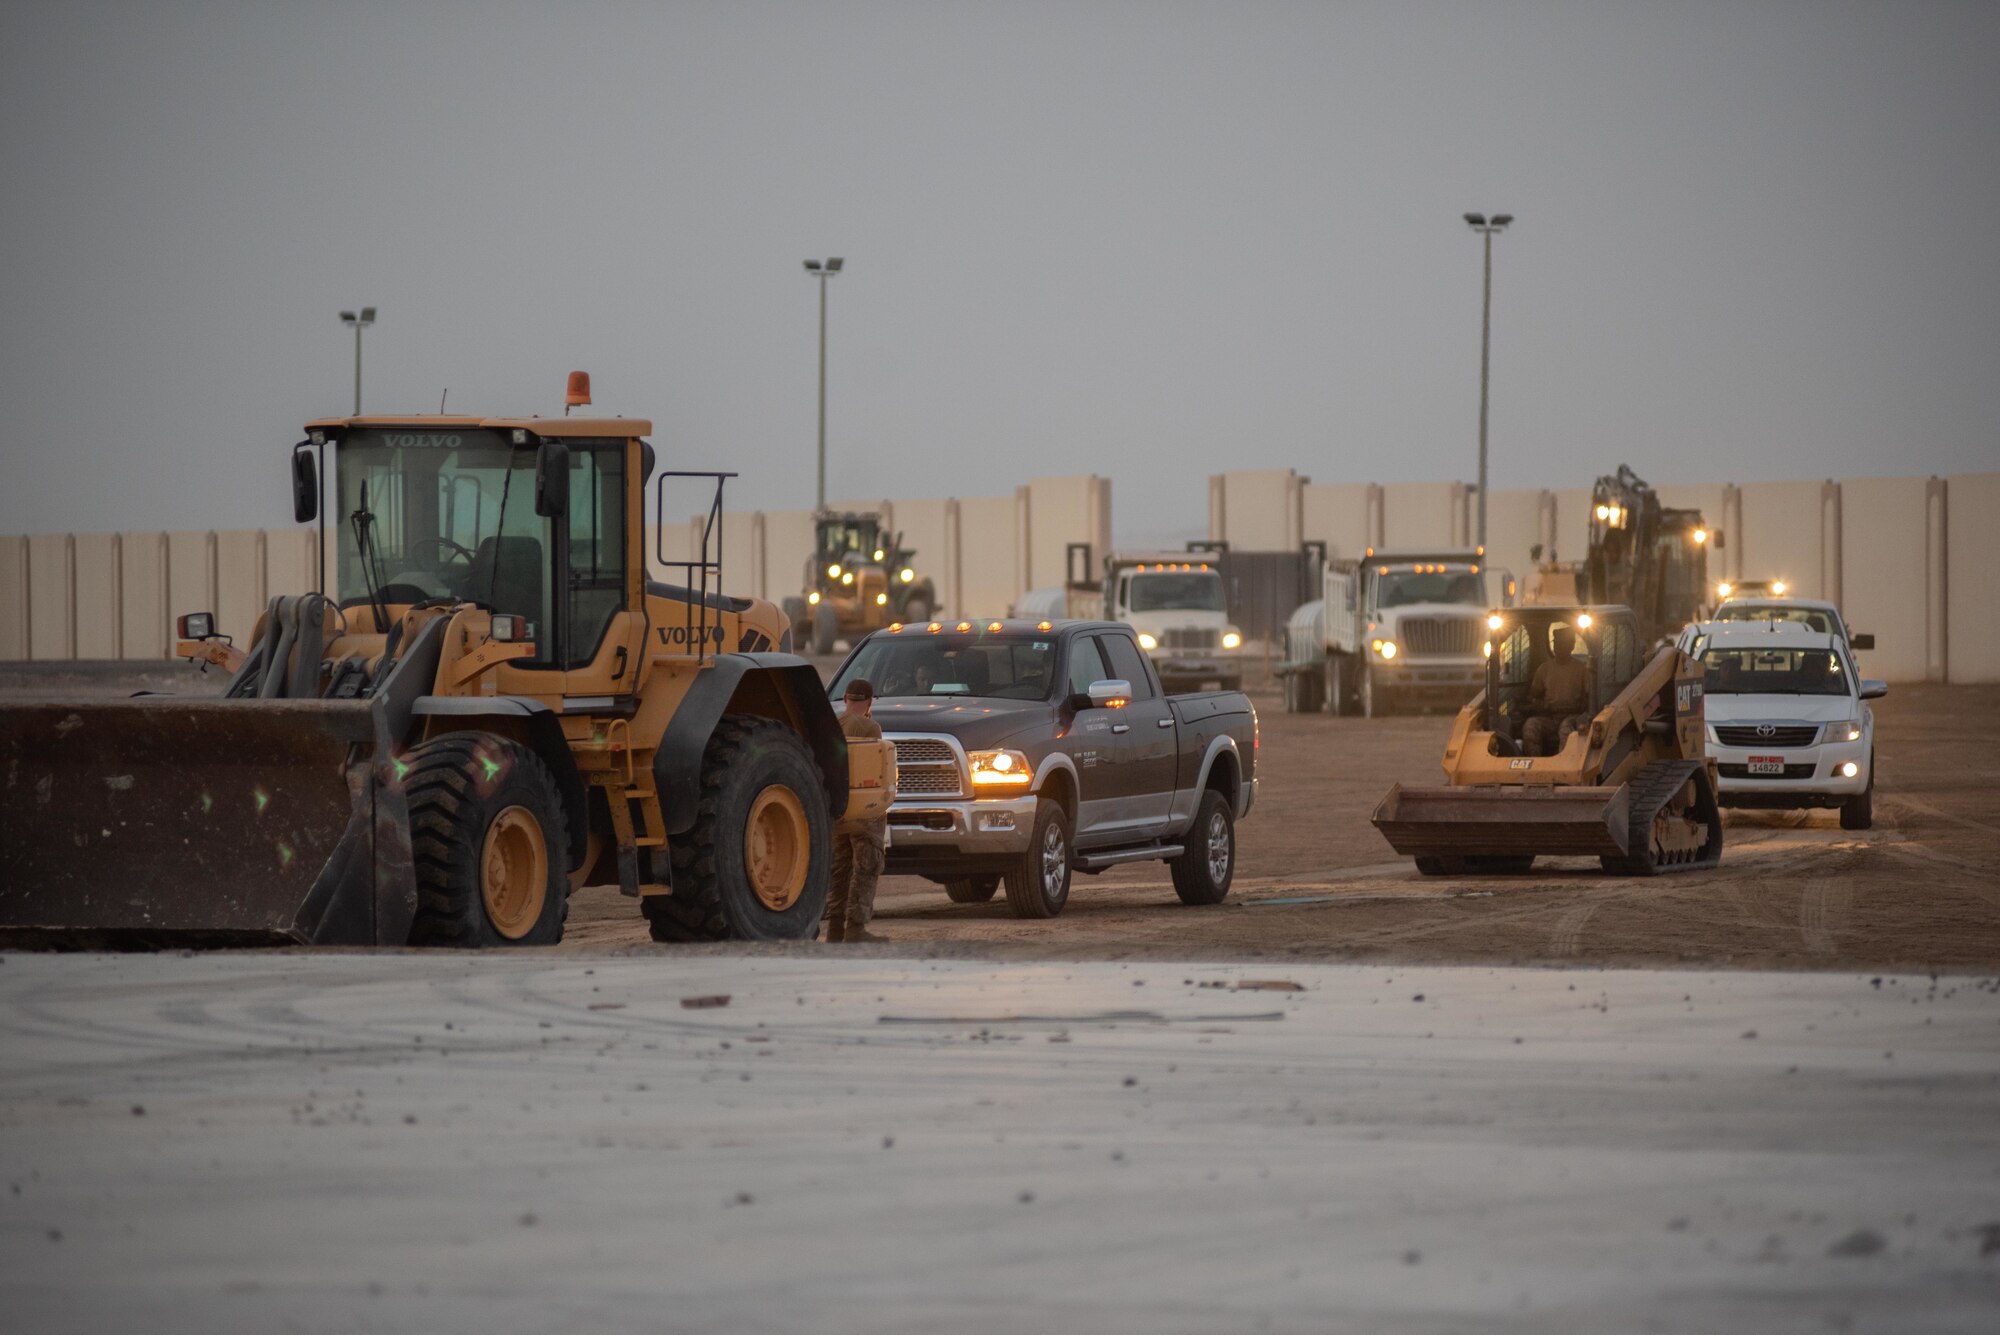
x=1606, y=639
x=525, y=524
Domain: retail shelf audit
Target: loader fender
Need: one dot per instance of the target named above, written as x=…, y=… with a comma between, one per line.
x=536, y=727
x=769, y=685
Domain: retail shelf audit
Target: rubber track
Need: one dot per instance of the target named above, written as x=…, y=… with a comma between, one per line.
x=1651, y=790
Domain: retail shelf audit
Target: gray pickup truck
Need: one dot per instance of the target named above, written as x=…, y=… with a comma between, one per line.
x=1028, y=750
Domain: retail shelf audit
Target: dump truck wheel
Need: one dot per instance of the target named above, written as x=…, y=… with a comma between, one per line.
x=1202, y=875
x=1038, y=882
x=757, y=864
x=1371, y=703
x=1336, y=686
x=826, y=629
x=972, y=889
x=489, y=838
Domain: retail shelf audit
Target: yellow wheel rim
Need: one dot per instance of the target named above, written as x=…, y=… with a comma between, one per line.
x=514, y=872
x=777, y=848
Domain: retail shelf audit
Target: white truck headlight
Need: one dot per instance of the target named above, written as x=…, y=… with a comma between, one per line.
x=1000, y=769
x=1849, y=770
x=1851, y=731
x=1386, y=648
x=1147, y=641
x=1231, y=640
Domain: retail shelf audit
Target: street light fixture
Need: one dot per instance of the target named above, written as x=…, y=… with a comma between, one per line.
x=360, y=322
x=815, y=269
x=1479, y=223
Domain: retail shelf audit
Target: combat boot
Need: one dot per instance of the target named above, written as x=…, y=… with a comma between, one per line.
x=836, y=930
x=859, y=935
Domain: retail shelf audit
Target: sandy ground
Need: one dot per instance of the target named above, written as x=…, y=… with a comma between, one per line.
x=1316, y=882
x=529, y=1142
x=1920, y=891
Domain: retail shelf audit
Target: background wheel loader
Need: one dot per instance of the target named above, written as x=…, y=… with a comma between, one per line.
x=1631, y=784
x=859, y=578
x=501, y=706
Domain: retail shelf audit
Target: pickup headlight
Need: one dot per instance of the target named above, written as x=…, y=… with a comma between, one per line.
x=1147, y=641
x=1849, y=731
x=1000, y=769
x=1231, y=640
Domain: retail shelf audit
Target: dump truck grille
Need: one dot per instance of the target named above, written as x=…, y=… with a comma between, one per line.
x=1190, y=637
x=1781, y=735
x=926, y=767
x=1743, y=772
x=1442, y=635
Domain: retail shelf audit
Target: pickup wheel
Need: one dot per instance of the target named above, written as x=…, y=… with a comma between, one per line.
x=1038, y=882
x=971, y=889
x=1203, y=873
x=1858, y=811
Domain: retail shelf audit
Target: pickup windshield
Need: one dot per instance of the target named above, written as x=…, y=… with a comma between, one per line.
x=1774, y=672
x=1407, y=586
x=996, y=667
x=1176, y=591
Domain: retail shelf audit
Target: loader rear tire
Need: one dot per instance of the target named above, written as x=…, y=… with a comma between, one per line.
x=490, y=841
x=758, y=863
x=826, y=630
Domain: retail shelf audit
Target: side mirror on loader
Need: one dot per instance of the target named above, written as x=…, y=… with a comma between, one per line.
x=305, y=484
x=552, y=480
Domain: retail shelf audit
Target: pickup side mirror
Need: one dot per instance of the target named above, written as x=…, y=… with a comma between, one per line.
x=305, y=484
x=1861, y=641
x=1111, y=693
x=1871, y=689
x=552, y=480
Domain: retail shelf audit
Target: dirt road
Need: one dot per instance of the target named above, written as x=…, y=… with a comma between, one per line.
x=1919, y=891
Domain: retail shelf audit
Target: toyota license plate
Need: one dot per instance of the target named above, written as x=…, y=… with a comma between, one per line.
x=1767, y=765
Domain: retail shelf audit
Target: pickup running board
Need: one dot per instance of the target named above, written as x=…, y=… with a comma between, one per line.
x=1111, y=857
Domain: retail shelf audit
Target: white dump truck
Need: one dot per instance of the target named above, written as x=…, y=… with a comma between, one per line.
x=1176, y=604
x=1393, y=629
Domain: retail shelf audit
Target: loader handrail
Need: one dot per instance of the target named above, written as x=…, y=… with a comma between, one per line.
x=700, y=569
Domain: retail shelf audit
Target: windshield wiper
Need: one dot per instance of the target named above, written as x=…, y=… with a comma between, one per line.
x=372, y=574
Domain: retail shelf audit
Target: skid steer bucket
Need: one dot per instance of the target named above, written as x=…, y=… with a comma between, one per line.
x=165, y=821
x=1502, y=821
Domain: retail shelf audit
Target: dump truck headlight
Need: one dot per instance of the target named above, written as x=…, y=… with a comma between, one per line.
x=1231, y=640
x=1147, y=641
x=906, y=574
x=1387, y=648
x=1000, y=769
x=1494, y=622
x=1583, y=621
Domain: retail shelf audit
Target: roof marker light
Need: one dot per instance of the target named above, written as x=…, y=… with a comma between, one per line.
x=992, y=625
x=1044, y=625
x=964, y=626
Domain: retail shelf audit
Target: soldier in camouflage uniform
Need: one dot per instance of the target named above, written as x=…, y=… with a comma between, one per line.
x=857, y=850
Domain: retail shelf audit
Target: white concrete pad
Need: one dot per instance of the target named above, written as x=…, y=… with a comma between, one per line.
x=536, y=1143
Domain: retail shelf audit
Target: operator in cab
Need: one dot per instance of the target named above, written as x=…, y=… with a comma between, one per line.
x=1557, y=704
x=859, y=851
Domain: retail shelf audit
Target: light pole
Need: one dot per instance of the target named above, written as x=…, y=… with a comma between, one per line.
x=1486, y=228
x=360, y=322
x=822, y=272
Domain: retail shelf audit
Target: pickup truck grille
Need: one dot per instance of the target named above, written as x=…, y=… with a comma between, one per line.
x=926, y=767
x=1190, y=637
x=1442, y=635
x=1781, y=737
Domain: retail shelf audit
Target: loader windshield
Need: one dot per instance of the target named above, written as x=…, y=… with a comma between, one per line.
x=451, y=514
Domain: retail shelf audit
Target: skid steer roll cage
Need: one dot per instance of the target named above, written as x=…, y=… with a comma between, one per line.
x=701, y=569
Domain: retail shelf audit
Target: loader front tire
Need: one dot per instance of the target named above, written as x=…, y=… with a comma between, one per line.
x=489, y=839
x=758, y=863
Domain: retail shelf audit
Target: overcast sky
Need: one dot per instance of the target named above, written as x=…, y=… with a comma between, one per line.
x=1151, y=241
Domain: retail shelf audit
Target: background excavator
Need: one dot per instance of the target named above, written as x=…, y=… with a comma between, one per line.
x=1632, y=785
x=1642, y=555
x=501, y=706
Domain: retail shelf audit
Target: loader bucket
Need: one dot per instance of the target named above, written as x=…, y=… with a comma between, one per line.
x=1502, y=821
x=163, y=821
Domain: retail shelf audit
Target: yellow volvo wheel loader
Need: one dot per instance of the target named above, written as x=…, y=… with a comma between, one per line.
x=499, y=707
x=1628, y=779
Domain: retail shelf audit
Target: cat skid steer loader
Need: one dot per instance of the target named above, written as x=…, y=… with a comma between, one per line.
x=1629, y=783
x=501, y=706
